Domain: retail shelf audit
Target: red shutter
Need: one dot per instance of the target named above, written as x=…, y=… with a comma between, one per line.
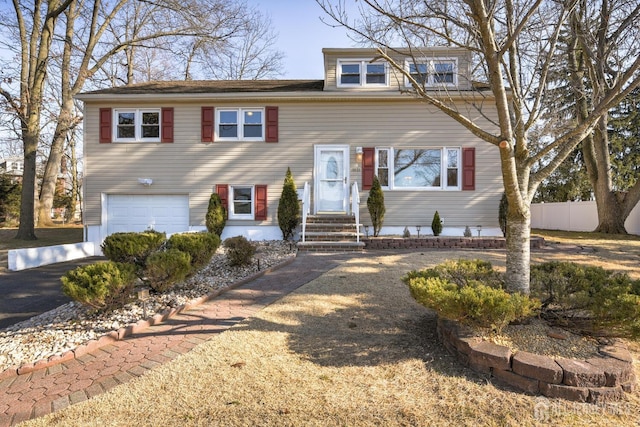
x=271, y=121
x=368, y=167
x=207, y=123
x=223, y=192
x=468, y=168
x=261, y=203
x=105, y=125
x=166, y=127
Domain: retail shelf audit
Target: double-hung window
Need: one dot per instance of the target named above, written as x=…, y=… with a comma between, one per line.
x=240, y=124
x=418, y=169
x=433, y=72
x=359, y=73
x=137, y=125
x=241, y=201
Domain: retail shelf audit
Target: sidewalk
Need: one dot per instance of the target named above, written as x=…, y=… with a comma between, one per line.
x=47, y=390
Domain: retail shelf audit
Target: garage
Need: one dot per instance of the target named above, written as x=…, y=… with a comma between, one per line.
x=167, y=213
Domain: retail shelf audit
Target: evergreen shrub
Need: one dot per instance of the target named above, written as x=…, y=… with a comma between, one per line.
x=164, y=269
x=288, y=207
x=239, y=250
x=436, y=224
x=132, y=247
x=104, y=285
x=216, y=217
x=375, y=205
x=201, y=246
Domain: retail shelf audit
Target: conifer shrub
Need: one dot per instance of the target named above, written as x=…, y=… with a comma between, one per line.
x=102, y=286
x=239, y=250
x=471, y=293
x=216, y=217
x=502, y=214
x=200, y=246
x=588, y=298
x=436, y=224
x=288, y=207
x=164, y=269
x=132, y=247
x=375, y=205
x=467, y=231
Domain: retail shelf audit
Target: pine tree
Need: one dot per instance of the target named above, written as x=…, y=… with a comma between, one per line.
x=375, y=203
x=216, y=215
x=436, y=224
x=288, y=207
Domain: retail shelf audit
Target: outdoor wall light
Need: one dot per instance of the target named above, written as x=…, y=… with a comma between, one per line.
x=418, y=227
x=145, y=181
x=359, y=155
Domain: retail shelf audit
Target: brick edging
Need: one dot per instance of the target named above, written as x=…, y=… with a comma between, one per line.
x=443, y=242
x=603, y=378
x=126, y=331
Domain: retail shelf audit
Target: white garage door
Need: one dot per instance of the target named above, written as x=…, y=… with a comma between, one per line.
x=139, y=213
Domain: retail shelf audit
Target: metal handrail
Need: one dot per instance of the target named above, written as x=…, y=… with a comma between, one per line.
x=306, y=208
x=355, y=208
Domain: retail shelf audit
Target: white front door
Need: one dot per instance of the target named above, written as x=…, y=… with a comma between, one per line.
x=331, y=178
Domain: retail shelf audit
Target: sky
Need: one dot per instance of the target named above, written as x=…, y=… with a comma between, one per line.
x=302, y=36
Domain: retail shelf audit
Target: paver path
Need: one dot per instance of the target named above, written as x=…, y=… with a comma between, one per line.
x=47, y=390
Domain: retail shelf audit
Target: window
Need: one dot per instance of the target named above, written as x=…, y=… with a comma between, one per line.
x=362, y=73
x=240, y=124
x=433, y=72
x=410, y=168
x=134, y=125
x=241, y=202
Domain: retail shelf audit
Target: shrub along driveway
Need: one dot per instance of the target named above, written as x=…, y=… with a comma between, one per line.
x=349, y=348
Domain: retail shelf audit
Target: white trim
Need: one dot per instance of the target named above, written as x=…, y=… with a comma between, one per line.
x=137, y=125
x=429, y=62
x=362, y=66
x=232, y=214
x=444, y=153
x=240, y=112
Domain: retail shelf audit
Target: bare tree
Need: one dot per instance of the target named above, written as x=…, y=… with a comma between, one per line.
x=515, y=43
x=603, y=36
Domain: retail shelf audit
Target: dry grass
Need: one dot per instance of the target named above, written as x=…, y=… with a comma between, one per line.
x=46, y=237
x=350, y=348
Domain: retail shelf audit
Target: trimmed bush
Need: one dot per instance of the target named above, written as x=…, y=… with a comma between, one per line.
x=436, y=224
x=375, y=205
x=103, y=285
x=166, y=268
x=588, y=298
x=200, y=246
x=469, y=292
x=288, y=207
x=132, y=248
x=239, y=250
x=216, y=217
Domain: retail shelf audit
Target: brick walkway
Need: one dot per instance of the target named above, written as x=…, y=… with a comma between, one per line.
x=47, y=390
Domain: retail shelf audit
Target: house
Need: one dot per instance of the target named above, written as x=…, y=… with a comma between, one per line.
x=13, y=168
x=154, y=152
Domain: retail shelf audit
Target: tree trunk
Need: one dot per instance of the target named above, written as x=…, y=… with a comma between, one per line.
x=518, y=251
x=26, y=229
x=611, y=217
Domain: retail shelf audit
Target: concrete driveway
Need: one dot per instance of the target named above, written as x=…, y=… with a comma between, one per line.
x=27, y=293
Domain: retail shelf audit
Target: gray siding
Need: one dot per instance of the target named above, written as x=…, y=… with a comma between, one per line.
x=188, y=166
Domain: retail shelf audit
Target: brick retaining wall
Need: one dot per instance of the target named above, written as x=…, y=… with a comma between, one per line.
x=443, y=242
x=599, y=379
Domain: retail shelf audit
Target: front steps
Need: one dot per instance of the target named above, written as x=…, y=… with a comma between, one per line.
x=331, y=233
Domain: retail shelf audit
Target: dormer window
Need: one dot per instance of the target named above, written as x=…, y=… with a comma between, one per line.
x=433, y=72
x=362, y=73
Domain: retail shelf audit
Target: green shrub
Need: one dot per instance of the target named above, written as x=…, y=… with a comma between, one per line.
x=502, y=214
x=239, y=250
x=131, y=247
x=436, y=224
x=288, y=207
x=201, y=246
x=375, y=205
x=103, y=285
x=216, y=217
x=463, y=272
x=467, y=231
x=475, y=304
x=602, y=301
x=164, y=269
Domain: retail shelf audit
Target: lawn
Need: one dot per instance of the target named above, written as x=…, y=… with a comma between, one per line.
x=46, y=237
x=350, y=348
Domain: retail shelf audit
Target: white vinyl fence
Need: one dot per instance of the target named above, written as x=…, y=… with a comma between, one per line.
x=575, y=216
